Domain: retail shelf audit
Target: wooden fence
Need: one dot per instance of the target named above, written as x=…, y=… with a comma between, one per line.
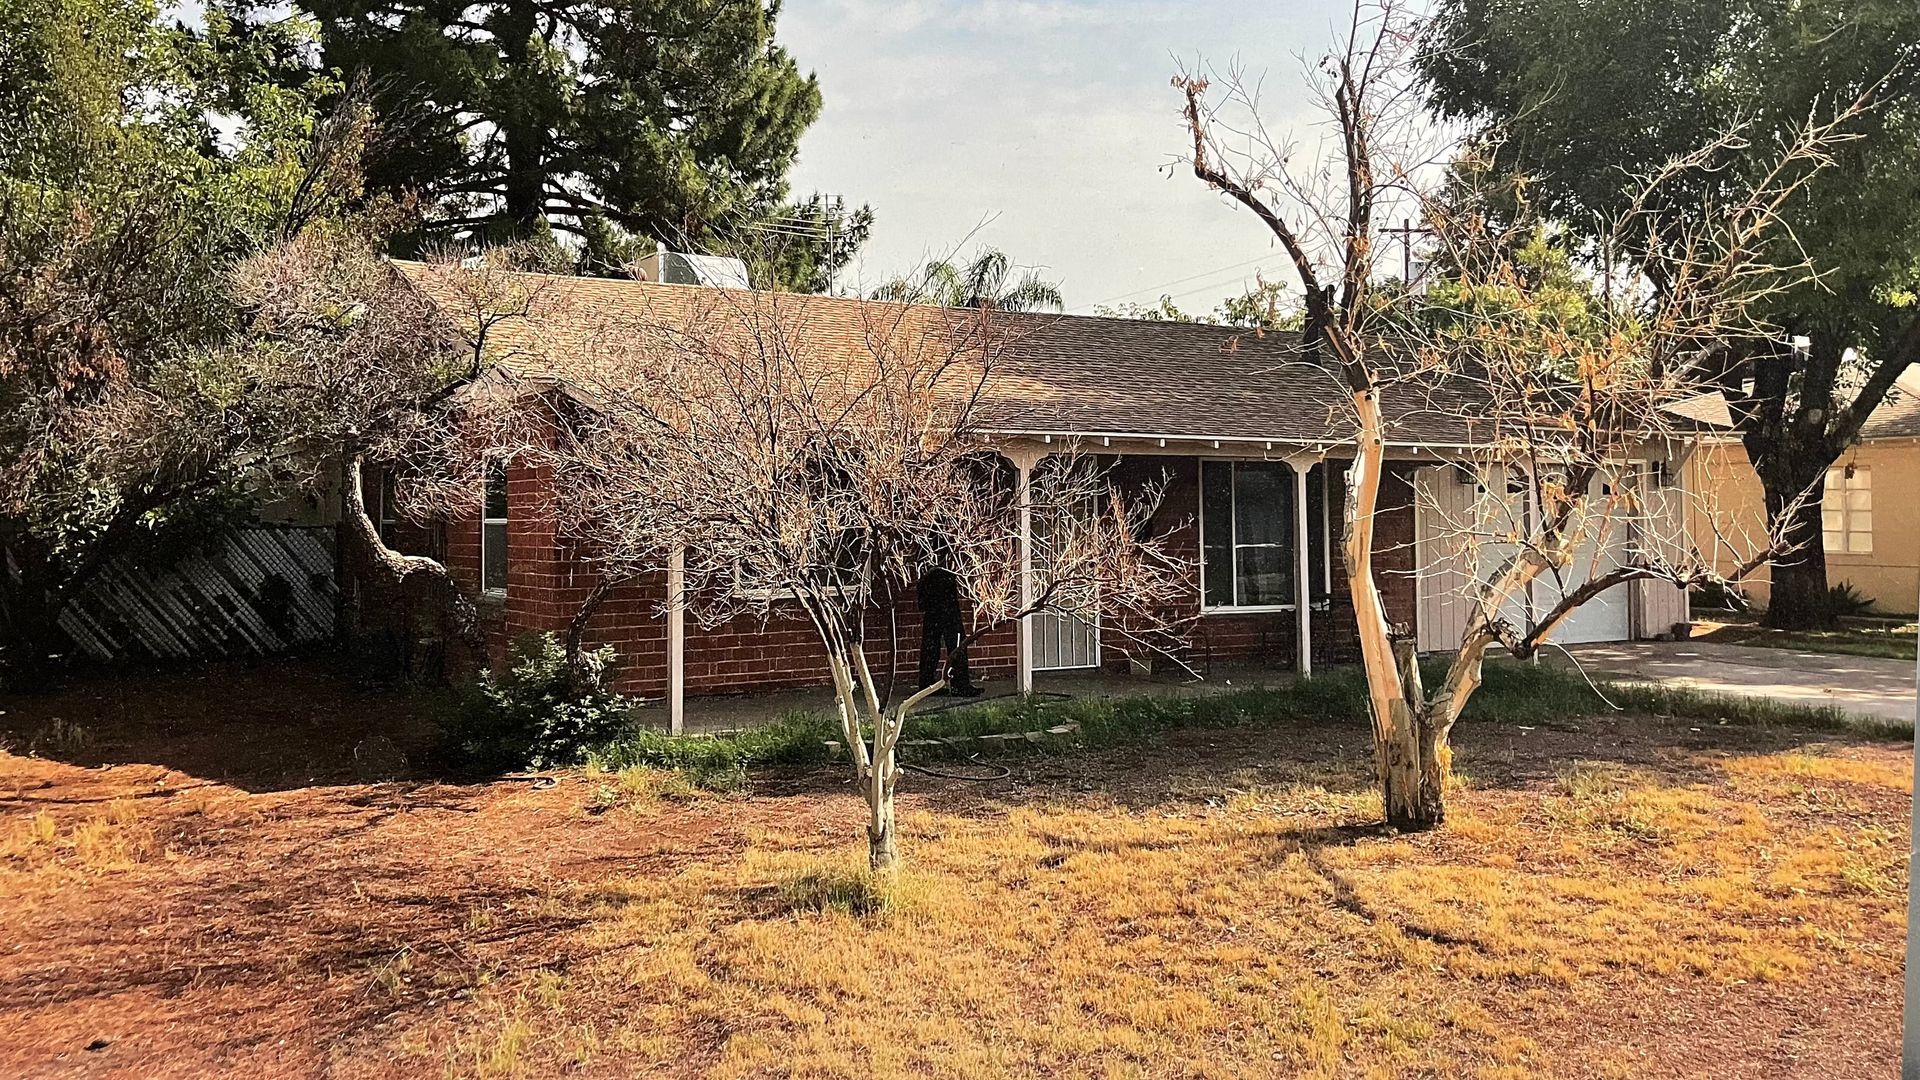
x=263, y=590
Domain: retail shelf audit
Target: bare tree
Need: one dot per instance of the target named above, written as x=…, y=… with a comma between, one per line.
x=768, y=460
x=1563, y=380
x=348, y=363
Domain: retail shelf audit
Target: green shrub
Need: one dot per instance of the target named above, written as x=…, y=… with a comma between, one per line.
x=538, y=713
x=1511, y=693
x=1844, y=601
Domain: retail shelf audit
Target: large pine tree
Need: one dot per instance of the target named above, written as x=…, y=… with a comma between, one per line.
x=607, y=121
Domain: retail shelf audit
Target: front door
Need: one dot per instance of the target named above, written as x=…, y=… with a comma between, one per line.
x=1061, y=641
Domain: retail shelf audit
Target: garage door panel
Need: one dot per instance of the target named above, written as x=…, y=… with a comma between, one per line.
x=1444, y=502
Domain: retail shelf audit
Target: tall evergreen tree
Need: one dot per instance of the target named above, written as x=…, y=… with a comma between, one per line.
x=614, y=123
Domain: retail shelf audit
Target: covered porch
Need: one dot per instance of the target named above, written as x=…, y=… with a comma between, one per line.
x=1257, y=518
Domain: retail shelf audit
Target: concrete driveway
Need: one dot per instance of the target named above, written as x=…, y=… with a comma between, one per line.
x=1867, y=686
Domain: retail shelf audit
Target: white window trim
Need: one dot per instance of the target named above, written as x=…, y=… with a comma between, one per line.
x=486, y=480
x=385, y=519
x=1200, y=500
x=1847, y=530
x=1325, y=603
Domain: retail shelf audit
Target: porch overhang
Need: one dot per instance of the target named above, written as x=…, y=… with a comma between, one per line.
x=1204, y=445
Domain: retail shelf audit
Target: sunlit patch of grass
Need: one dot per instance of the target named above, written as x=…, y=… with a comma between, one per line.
x=390, y=976
x=524, y=1033
x=1253, y=924
x=112, y=838
x=1812, y=764
x=641, y=787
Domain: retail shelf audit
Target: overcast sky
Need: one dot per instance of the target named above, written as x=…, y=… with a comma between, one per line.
x=1052, y=120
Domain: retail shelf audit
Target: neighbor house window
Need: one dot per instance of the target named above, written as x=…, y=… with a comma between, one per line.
x=493, y=531
x=1246, y=534
x=1846, y=511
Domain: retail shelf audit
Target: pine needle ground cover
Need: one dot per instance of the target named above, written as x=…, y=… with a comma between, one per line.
x=1616, y=895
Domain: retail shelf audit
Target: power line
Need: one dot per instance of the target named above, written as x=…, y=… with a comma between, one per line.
x=1177, y=281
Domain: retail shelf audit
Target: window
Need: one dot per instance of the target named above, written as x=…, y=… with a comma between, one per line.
x=1246, y=534
x=493, y=531
x=1846, y=511
x=385, y=517
x=1319, y=536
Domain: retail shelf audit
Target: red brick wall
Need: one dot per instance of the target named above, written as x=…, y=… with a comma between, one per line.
x=1270, y=637
x=547, y=581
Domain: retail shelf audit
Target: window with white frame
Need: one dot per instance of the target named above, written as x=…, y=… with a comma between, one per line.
x=1246, y=535
x=385, y=516
x=1846, y=511
x=493, y=531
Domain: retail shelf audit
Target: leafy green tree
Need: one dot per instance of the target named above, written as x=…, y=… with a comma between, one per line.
x=138, y=162
x=985, y=282
x=615, y=124
x=1259, y=308
x=1583, y=96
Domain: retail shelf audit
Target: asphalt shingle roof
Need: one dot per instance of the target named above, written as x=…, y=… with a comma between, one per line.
x=1898, y=416
x=1062, y=375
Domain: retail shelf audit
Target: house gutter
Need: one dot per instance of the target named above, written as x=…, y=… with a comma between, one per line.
x=1106, y=438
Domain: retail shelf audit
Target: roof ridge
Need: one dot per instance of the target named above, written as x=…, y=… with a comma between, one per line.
x=1042, y=316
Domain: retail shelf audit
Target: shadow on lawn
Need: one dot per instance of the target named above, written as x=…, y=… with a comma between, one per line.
x=1198, y=768
x=260, y=726
x=296, y=921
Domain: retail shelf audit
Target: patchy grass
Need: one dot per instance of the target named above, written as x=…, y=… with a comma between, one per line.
x=1512, y=693
x=111, y=838
x=1200, y=888
x=1253, y=924
x=1854, y=637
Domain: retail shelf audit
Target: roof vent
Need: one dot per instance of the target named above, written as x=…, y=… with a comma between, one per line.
x=678, y=268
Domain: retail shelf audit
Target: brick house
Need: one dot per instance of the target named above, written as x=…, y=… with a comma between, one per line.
x=1245, y=430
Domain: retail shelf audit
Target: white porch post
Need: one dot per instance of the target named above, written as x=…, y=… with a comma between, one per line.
x=1023, y=462
x=677, y=641
x=1302, y=564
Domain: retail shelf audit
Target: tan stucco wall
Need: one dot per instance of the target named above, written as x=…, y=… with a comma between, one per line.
x=1726, y=492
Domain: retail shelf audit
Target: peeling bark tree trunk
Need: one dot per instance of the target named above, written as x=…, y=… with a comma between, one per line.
x=1411, y=754
x=408, y=578
x=1415, y=785
x=883, y=848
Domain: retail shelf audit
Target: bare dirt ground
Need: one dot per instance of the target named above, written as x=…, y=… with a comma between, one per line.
x=197, y=879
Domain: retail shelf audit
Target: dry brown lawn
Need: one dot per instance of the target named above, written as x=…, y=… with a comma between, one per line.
x=193, y=882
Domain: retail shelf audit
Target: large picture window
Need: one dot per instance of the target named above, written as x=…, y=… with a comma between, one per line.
x=1846, y=511
x=493, y=531
x=1246, y=534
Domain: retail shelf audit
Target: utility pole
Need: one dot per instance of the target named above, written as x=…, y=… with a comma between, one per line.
x=1406, y=231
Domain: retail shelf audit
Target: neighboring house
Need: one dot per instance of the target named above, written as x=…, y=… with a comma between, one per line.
x=1246, y=435
x=1869, y=509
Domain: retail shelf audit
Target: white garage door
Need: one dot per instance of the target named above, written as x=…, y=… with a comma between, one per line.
x=1603, y=618
x=1448, y=497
